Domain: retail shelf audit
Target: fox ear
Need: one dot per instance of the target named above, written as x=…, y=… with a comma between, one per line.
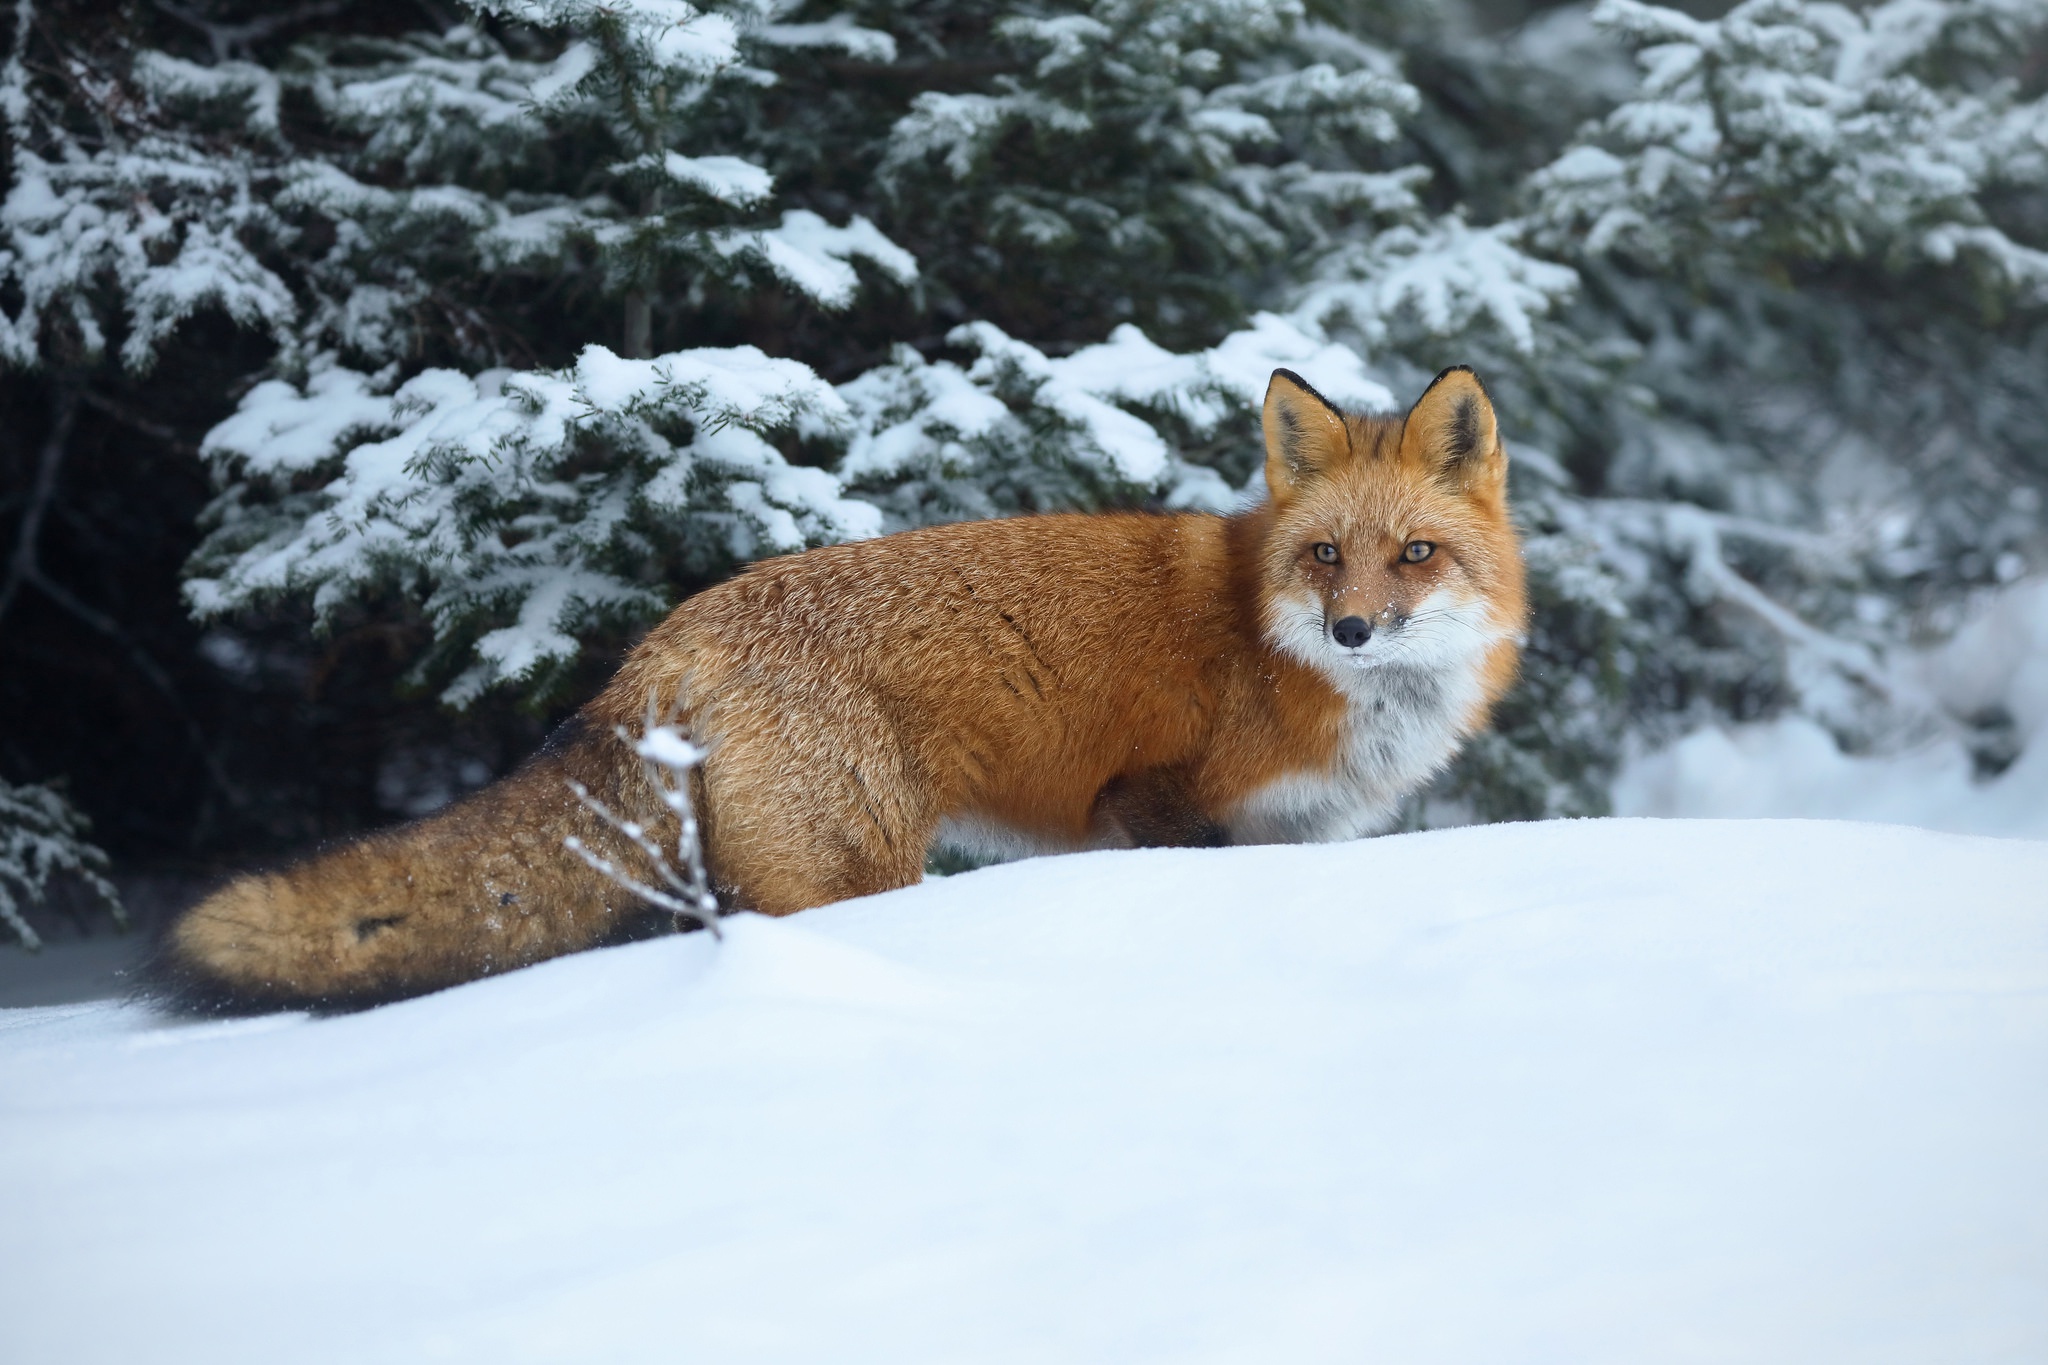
x=1305, y=435
x=1451, y=432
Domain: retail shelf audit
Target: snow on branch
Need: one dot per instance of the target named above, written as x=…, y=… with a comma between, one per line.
x=42, y=835
x=669, y=35
x=173, y=223
x=1444, y=275
x=1365, y=99
x=1803, y=128
x=815, y=257
x=1622, y=541
x=431, y=101
x=839, y=32
x=673, y=214
x=1019, y=429
x=521, y=509
x=1698, y=533
x=727, y=179
x=961, y=130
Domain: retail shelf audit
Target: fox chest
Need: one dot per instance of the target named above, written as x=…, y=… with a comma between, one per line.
x=1398, y=732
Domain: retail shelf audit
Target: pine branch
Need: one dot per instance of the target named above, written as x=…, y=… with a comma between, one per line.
x=134, y=420
x=233, y=40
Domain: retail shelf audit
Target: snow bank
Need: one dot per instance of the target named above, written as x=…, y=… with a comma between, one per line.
x=1612, y=1091
x=1996, y=666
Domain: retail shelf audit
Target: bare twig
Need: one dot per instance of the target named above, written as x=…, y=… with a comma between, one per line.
x=21, y=565
x=145, y=664
x=610, y=870
x=24, y=568
x=667, y=759
x=634, y=831
x=130, y=418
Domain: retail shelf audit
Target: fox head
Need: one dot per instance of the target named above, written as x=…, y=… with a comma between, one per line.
x=1389, y=543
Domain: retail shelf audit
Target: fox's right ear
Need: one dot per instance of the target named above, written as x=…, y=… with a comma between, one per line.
x=1305, y=435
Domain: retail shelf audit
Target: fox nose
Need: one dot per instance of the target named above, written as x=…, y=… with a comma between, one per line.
x=1352, y=631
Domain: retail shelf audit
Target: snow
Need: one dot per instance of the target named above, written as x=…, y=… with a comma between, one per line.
x=279, y=428
x=1839, y=142
x=1995, y=666
x=1209, y=387
x=726, y=384
x=732, y=179
x=839, y=31
x=167, y=78
x=914, y=415
x=665, y=745
x=68, y=224
x=1446, y=275
x=727, y=179
x=43, y=835
x=810, y=254
x=462, y=484
x=1792, y=766
x=565, y=74
x=674, y=34
x=964, y=128
x=1604, y=1091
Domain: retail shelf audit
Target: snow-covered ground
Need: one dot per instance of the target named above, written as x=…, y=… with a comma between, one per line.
x=1608, y=1091
x=1995, y=666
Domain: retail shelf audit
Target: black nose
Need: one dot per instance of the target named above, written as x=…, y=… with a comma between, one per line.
x=1352, y=631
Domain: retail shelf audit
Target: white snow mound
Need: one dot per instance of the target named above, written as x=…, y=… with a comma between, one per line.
x=1606, y=1091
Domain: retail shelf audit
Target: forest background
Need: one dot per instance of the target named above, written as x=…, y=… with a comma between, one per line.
x=372, y=372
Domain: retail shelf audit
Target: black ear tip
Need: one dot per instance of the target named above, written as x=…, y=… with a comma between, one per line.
x=1447, y=371
x=1298, y=382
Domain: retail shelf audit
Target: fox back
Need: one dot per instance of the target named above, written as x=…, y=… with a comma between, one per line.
x=1033, y=684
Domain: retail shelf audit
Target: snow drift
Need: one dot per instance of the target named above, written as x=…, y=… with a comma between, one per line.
x=1606, y=1091
x=1996, y=666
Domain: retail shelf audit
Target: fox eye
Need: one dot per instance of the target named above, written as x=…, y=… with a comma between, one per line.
x=1418, y=550
x=1325, y=552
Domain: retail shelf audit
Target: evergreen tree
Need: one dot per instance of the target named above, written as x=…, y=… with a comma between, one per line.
x=572, y=306
x=531, y=511
x=1812, y=242
x=458, y=496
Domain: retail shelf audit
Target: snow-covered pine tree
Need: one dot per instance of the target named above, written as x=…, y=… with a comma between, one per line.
x=1135, y=177
x=530, y=510
x=1766, y=329
x=138, y=191
x=1812, y=245
x=120, y=222
x=42, y=836
x=1118, y=140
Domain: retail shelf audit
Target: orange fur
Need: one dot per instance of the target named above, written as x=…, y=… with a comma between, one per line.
x=1054, y=682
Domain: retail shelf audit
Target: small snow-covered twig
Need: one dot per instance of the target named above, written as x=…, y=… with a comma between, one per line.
x=605, y=867
x=633, y=830
x=667, y=758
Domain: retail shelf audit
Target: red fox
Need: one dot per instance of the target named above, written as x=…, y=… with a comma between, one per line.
x=1041, y=683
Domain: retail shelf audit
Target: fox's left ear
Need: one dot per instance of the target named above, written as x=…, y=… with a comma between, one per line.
x=1451, y=432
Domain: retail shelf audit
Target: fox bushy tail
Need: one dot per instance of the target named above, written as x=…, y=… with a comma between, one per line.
x=482, y=887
